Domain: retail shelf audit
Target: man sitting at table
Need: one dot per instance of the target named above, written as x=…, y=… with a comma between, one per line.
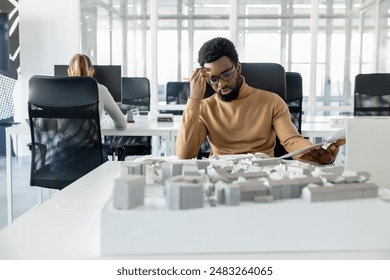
x=238, y=119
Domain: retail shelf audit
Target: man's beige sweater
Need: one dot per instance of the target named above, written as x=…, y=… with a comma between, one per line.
x=248, y=124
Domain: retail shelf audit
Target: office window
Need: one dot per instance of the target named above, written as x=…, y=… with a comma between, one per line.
x=279, y=31
x=136, y=20
x=368, y=41
x=116, y=33
x=259, y=31
x=384, y=37
x=331, y=54
x=350, y=39
x=276, y=31
x=183, y=26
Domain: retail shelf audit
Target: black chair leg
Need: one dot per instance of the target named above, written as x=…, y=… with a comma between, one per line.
x=119, y=153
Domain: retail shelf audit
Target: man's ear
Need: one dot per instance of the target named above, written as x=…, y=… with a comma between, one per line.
x=70, y=72
x=238, y=67
x=91, y=72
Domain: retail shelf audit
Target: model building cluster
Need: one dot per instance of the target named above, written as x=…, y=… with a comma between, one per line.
x=231, y=180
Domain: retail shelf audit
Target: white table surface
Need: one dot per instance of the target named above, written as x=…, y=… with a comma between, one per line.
x=144, y=128
x=322, y=126
x=68, y=227
x=313, y=128
x=318, y=129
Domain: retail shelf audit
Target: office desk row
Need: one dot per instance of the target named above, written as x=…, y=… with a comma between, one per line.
x=68, y=226
x=168, y=131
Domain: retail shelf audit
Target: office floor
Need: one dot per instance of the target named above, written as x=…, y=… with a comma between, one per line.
x=24, y=196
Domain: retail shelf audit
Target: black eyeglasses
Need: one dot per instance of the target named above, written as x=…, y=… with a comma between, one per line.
x=225, y=76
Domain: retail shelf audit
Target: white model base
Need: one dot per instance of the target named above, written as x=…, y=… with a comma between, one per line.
x=282, y=226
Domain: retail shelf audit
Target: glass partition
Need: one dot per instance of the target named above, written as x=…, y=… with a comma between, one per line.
x=350, y=39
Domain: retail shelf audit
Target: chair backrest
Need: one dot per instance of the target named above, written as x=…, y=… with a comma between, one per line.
x=270, y=77
x=65, y=129
x=267, y=76
x=372, y=94
x=177, y=93
x=136, y=93
x=294, y=96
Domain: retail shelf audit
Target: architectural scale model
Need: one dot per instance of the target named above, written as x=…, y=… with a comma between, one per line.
x=230, y=180
x=239, y=203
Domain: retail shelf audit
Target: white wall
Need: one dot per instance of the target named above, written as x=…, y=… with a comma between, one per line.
x=49, y=34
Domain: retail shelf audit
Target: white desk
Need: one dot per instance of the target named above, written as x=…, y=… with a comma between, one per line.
x=149, y=128
x=315, y=127
x=322, y=126
x=68, y=227
x=167, y=130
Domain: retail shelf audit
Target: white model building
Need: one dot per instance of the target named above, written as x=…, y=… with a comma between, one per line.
x=132, y=168
x=220, y=191
x=228, y=193
x=252, y=189
x=285, y=189
x=171, y=169
x=232, y=194
x=268, y=161
x=203, y=164
x=190, y=168
x=340, y=192
x=219, y=173
x=184, y=192
x=129, y=191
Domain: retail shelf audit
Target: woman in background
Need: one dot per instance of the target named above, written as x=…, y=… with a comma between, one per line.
x=80, y=65
x=73, y=151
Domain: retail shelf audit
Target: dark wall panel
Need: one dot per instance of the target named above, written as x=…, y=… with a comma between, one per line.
x=4, y=45
x=11, y=7
x=9, y=63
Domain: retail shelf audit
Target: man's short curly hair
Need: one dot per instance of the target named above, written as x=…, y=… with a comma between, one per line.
x=215, y=48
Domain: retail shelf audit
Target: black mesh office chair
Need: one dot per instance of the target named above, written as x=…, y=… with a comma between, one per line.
x=372, y=94
x=205, y=148
x=65, y=129
x=135, y=95
x=294, y=96
x=270, y=77
x=266, y=76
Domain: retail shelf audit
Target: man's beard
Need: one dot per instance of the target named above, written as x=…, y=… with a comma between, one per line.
x=233, y=95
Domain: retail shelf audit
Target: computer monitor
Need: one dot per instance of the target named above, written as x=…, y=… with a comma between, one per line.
x=107, y=75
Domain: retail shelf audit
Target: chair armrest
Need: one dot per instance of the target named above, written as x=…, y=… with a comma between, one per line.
x=42, y=150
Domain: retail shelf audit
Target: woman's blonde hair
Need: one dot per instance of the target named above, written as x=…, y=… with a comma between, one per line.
x=81, y=65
